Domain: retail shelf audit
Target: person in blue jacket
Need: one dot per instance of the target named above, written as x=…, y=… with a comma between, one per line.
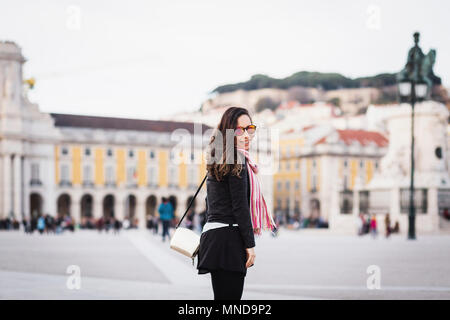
x=166, y=214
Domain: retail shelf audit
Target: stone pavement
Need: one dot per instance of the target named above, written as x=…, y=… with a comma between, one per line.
x=305, y=264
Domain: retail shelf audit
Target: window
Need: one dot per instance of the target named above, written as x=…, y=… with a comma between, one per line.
x=288, y=165
x=192, y=177
x=110, y=175
x=131, y=153
x=87, y=151
x=346, y=201
x=64, y=151
x=87, y=174
x=35, y=171
x=279, y=185
x=64, y=172
x=287, y=185
x=345, y=163
x=173, y=181
x=109, y=153
x=152, y=176
x=131, y=175
x=314, y=183
x=152, y=154
x=420, y=200
x=364, y=201
x=297, y=185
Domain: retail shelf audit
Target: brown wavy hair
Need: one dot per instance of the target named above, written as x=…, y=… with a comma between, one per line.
x=220, y=168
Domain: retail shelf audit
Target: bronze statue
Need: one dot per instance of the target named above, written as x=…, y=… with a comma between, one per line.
x=419, y=67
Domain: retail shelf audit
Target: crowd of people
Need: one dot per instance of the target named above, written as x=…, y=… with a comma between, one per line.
x=368, y=224
x=42, y=224
x=45, y=224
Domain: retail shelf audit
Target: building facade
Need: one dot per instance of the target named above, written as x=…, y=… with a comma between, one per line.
x=88, y=167
x=319, y=169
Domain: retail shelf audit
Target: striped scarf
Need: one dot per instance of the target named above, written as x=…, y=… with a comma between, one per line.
x=261, y=218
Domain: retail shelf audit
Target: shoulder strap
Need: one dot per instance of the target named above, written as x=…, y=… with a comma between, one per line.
x=192, y=200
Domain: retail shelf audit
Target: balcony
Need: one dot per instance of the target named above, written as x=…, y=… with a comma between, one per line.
x=131, y=185
x=65, y=183
x=88, y=184
x=173, y=185
x=110, y=184
x=35, y=182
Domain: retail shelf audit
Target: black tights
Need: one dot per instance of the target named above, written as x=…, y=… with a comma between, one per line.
x=227, y=285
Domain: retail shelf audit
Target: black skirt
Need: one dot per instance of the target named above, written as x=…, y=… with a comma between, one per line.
x=222, y=249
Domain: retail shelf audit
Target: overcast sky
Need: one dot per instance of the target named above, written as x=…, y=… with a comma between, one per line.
x=148, y=59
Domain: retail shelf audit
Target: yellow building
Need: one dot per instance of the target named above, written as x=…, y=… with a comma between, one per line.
x=320, y=167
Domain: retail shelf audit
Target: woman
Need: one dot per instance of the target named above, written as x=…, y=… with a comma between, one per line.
x=236, y=209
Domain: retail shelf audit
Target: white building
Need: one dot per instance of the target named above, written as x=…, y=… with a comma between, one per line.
x=88, y=167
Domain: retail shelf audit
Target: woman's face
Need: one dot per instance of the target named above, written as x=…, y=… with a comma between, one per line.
x=243, y=141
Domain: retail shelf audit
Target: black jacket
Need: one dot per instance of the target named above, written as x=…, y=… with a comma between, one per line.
x=228, y=201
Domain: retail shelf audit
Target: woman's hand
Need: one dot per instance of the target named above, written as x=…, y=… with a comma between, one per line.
x=250, y=257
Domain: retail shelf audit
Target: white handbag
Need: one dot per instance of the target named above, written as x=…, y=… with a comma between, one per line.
x=184, y=240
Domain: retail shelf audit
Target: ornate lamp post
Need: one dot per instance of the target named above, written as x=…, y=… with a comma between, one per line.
x=413, y=84
x=412, y=91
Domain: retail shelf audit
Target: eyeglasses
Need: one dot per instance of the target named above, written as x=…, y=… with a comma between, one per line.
x=251, y=129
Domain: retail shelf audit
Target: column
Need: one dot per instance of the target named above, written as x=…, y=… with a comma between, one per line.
x=26, y=186
x=98, y=207
x=75, y=210
x=6, y=185
x=48, y=179
x=119, y=207
x=140, y=213
x=17, y=187
x=2, y=214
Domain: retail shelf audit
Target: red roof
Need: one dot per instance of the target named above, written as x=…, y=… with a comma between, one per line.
x=361, y=136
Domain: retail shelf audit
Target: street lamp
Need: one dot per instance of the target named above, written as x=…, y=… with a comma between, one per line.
x=412, y=91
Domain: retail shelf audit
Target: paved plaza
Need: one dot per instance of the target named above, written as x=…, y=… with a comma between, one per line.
x=305, y=264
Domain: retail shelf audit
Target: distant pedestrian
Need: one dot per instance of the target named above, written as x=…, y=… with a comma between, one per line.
x=41, y=224
x=100, y=224
x=387, y=222
x=155, y=220
x=166, y=215
x=359, y=224
x=373, y=225
x=117, y=226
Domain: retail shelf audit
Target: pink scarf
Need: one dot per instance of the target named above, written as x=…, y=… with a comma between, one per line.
x=261, y=219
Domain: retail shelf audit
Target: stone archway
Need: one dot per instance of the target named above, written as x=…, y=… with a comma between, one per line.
x=150, y=210
x=63, y=205
x=193, y=203
x=315, y=208
x=108, y=206
x=130, y=207
x=174, y=201
x=36, y=205
x=150, y=206
x=87, y=206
